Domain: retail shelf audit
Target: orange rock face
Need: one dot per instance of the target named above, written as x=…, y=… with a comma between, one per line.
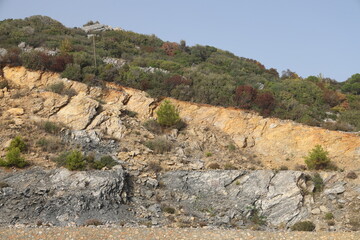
x=275, y=142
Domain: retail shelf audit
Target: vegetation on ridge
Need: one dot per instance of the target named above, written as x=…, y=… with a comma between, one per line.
x=201, y=74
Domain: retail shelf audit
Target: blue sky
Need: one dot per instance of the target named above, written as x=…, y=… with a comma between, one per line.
x=308, y=36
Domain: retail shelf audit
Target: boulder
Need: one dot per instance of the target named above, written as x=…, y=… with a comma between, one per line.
x=78, y=113
x=109, y=122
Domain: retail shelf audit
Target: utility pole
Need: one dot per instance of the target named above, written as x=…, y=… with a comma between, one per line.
x=94, y=50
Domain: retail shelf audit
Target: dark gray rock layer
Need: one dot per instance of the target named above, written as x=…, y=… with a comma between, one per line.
x=218, y=197
x=60, y=196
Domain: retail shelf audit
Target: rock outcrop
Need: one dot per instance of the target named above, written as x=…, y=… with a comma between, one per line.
x=227, y=198
x=78, y=113
x=61, y=197
x=234, y=195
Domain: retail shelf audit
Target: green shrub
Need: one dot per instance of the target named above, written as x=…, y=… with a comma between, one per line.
x=169, y=210
x=229, y=166
x=14, y=159
x=167, y=115
x=56, y=87
x=317, y=158
x=49, y=144
x=72, y=72
x=329, y=216
x=208, y=154
x=75, y=161
x=303, y=226
x=50, y=127
x=318, y=182
x=105, y=161
x=231, y=147
x=159, y=145
x=17, y=142
x=4, y=84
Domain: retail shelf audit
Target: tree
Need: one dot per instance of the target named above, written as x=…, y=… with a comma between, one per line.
x=245, y=96
x=317, y=158
x=352, y=85
x=170, y=48
x=65, y=46
x=266, y=102
x=288, y=74
x=72, y=71
x=167, y=115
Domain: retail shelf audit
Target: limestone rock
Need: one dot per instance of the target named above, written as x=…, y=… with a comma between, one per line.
x=78, y=113
x=316, y=211
x=51, y=104
x=324, y=209
x=109, y=122
x=15, y=111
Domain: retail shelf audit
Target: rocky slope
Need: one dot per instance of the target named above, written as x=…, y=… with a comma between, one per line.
x=175, y=188
x=274, y=142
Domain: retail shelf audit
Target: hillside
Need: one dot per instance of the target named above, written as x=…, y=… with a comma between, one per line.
x=214, y=172
x=201, y=74
x=82, y=144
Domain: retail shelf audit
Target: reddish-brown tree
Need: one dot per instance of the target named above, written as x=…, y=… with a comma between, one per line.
x=245, y=96
x=266, y=102
x=176, y=80
x=170, y=48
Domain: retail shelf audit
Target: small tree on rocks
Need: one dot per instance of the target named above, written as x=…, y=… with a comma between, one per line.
x=317, y=158
x=167, y=115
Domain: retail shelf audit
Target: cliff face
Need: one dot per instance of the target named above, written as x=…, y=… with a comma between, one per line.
x=150, y=187
x=275, y=142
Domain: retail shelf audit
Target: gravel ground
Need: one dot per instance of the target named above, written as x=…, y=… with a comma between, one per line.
x=69, y=233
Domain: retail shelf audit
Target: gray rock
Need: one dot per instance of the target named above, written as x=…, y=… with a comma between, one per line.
x=60, y=196
x=97, y=27
x=337, y=189
x=153, y=183
x=282, y=202
x=155, y=208
x=3, y=52
x=277, y=196
x=22, y=45
x=222, y=220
